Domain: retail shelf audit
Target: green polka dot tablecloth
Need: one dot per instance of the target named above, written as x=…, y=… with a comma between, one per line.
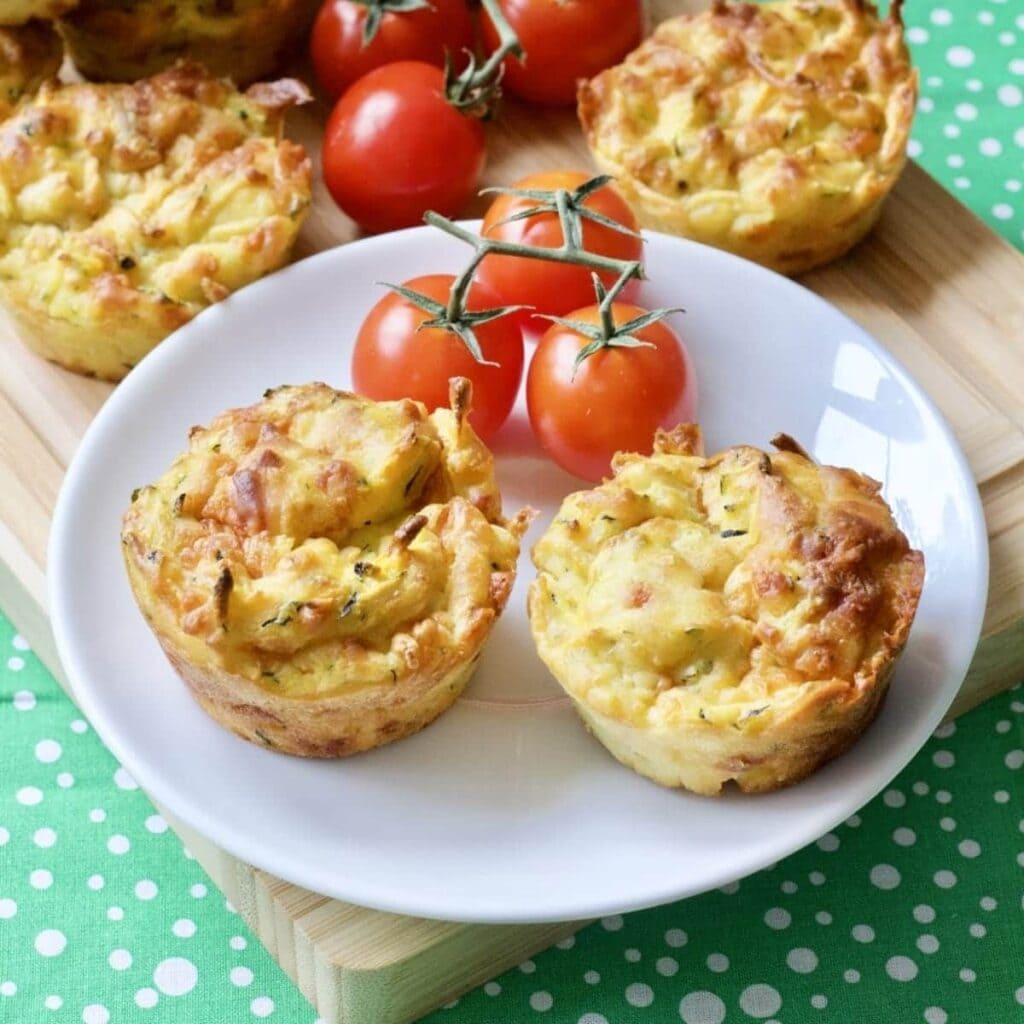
x=910, y=911
x=969, y=131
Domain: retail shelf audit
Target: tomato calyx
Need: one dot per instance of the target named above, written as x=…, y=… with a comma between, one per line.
x=606, y=333
x=454, y=317
x=568, y=206
x=476, y=90
x=376, y=9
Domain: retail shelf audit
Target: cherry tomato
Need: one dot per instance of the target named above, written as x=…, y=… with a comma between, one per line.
x=394, y=148
x=564, y=41
x=553, y=288
x=339, y=56
x=619, y=396
x=394, y=359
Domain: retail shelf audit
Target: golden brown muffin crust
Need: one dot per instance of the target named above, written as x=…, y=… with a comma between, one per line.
x=771, y=130
x=130, y=208
x=725, y=618
x=109, y=40
x=29, y=54
x=320, y=565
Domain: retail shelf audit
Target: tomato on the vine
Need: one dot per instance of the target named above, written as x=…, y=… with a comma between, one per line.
x=403, y=32
x=554, y=288
x=395, y=147
x=394, y=358
x=615, y=399
x=564, y=41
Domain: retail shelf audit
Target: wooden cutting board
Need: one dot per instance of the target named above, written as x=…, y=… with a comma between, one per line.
x=933, y=283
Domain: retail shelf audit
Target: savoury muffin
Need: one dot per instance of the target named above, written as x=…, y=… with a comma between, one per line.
x=17, y=12
x=731, y=618
x=245, y=40
x=29, y=54
x=323, y=570
x=774, y=130
x=131, y=208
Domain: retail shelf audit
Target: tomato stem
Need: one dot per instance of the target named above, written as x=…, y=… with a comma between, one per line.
x=455, y=317
x=376, y=9
x=563, y=254
x=478, y=88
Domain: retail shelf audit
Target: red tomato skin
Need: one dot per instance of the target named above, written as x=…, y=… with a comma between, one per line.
x=619, y=397
x=554, y=288
x=393, y=360
x=394, y=148
x=340, y=58
x=564, y=41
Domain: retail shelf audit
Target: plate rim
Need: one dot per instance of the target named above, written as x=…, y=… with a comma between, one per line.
x=205, y=823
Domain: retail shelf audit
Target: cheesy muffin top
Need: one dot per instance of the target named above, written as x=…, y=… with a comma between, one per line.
x=127, y=209
x=17, y=12
x=29, y=54
x=728, y=590
x=319, y=543
x=756, y=127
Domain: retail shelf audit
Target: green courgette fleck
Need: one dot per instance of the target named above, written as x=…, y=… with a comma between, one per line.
x=698, y=669
x=726, y=534
x=412, y=481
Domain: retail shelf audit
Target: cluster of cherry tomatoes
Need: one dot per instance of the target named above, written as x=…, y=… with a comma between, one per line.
x=581, y=412
x=395, y=144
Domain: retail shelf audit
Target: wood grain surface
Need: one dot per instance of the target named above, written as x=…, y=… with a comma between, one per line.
x=935, y=285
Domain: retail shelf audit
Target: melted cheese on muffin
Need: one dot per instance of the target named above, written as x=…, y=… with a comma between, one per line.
x=319, y=543
x=771, y=130
x=126, y=210
x=29, y=54
x=247, y=40
x=17, y=12
x=730, y=592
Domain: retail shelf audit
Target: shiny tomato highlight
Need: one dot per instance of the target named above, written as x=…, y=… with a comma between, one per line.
x=615, y=400
x=394, y=359
x=394, y=148
x=564, y=41
x=340, y=57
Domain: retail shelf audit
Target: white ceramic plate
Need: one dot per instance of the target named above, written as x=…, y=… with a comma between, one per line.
x=505, y=809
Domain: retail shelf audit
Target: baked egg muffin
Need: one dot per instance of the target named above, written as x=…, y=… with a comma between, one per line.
x=246, y=40
x=773, y=130
x=323, y=570
x=17, y=12
x=29, y=54
x=128, y=209
x=730, y=618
